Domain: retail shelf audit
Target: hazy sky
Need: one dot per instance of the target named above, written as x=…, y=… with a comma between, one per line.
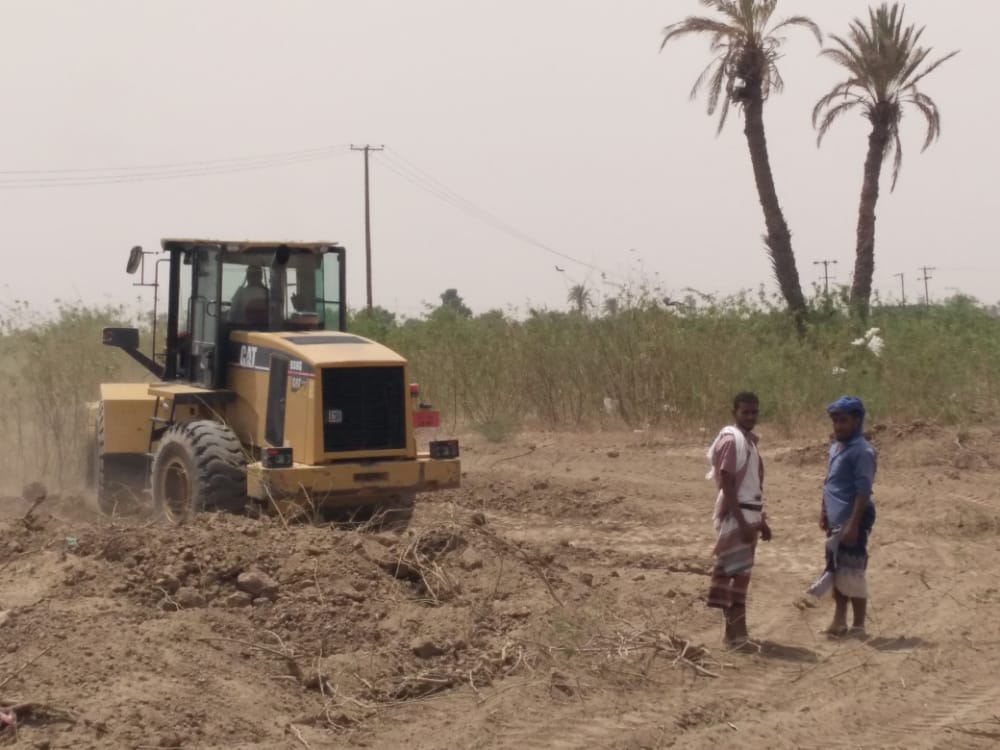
x=561, y=117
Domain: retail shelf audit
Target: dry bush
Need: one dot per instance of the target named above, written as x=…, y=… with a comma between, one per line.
x=51, y=368
x=644, y=364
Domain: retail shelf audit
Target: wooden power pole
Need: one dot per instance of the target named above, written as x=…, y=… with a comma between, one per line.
x=826, y=274
x=925, y=278
x=368, y=222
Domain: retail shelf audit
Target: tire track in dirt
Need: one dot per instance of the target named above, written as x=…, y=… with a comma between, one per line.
x=782, y=577
x=779, y=581
x=583, y=728
x=970, y=704
x=928, y=711
x=743, y=676
x=938, y=717
x=578, y=729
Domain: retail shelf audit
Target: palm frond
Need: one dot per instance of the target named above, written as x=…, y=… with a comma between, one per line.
x=774, y=81
x=928, y=108
x=696, y=25
x=700, y=81
x=932, y=67
x=884, y=63
x=728, y=8
x=716, y=86
x=745, y=50
x=801, y=21
x=842, y=91
x=897, y=162
x=830, y=116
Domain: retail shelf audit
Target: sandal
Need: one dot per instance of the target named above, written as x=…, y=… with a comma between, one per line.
x=743, y=645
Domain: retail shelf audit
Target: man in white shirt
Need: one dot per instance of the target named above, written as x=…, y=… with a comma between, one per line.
x=739, y=518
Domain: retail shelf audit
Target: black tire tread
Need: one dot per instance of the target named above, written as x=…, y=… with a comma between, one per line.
x=220, y=476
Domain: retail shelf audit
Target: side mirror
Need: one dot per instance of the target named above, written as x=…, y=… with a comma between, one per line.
x=123, y=338
x=134, y=259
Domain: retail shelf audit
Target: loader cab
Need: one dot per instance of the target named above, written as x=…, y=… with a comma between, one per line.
x=218, y=287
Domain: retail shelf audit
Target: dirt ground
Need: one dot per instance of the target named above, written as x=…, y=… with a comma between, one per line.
x=555, y=601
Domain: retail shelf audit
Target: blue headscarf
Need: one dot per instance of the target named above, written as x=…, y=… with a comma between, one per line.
x=849, y=405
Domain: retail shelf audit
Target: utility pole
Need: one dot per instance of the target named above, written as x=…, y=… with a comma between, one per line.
x=826, y=274
x=368, y=222
x=902, y=286
x=927, y=277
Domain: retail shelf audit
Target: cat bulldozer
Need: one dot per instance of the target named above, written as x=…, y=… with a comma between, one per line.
x=260, y=399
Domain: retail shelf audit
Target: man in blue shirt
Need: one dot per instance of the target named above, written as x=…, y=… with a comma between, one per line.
x=848, y=511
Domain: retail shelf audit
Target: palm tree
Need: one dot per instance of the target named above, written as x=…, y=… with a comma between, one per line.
x=884, y=64
x=579, y=297
x=744, y=72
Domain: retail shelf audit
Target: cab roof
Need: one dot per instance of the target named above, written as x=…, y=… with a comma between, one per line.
x=238, y=246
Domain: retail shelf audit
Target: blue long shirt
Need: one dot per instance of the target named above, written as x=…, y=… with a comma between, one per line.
x=851, y=472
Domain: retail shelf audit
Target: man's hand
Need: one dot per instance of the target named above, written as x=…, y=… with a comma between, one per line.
x=748, y=534
x=765, y=531
x=824, y=524
x=849, y=535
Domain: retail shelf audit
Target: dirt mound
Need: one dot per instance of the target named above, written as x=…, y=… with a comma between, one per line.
x=338, y=622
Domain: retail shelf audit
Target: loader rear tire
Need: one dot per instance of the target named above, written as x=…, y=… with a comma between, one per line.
x=199, y=467
x=119, y=479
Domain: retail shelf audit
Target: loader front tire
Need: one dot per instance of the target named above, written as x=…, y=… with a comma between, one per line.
x=199, y=467
x=119, y=479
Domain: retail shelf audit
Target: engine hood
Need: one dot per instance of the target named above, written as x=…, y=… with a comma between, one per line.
x=313, y=349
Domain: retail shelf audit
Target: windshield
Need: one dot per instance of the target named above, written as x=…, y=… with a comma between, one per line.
x=259, y=293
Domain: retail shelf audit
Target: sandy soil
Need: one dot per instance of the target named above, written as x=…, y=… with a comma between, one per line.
x=556, y=601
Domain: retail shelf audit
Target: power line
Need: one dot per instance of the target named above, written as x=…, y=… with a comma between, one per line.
x=408, y=171
x=56, y=182
x=176, y=165
x=368, y=221
x=121, y=175
x=429, y=185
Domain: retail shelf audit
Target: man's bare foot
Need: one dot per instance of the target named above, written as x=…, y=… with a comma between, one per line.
x=836, y=630
x=857, y=631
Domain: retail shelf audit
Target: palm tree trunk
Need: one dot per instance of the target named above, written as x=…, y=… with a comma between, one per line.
x=864, y=261
x=779, y=238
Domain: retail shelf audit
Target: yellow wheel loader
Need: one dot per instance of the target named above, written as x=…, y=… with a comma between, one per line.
x=261, y=399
